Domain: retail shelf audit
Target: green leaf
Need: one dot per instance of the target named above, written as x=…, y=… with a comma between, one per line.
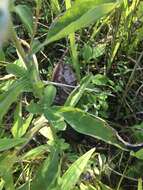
x=49, y=95
x=138, y=154
x=36, y=152
x=47, y=174
x=71, y=176
x=16, y=69
x=35, y=45
x=25, y=14
x=90, y=125
x=20, y=126
x=34, y=108
x=56, y=120
x=18, y=121
x=78, y=92
x=7, y=98
x=80, y=15
x=87, y=52
x=7, y=143
x=140, y=186
x=5, y=85
x=25, y=126
x=99, y=50
x=100, y=79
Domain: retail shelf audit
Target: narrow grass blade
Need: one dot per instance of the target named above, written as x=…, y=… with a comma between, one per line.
x=78, y=92
x=71, y=177
x=140, y=187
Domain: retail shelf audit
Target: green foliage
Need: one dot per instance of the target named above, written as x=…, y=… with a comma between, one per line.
x=90, y=125
x=76, y=95
x=47, y=174
x=105, y=52
x=80, y=15
x=49, y=95
x=20, y=126
x=71, y=176
x=8, y=143
x=16, y=68
x=26, y=17
x=140, y=184
x=89, y=52
x=7, y=98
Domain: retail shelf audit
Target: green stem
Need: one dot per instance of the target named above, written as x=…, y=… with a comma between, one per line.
x=38, y=7
x=31, y=66
x=73, y=47
x=18, y=46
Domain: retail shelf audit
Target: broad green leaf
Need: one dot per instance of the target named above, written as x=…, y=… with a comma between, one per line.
x=8, y=143
x=56, y=120
x=80, y=15
x=34, y=108
x=87, y=52
x=90, y=125
x=49, y=95
x=78, y=92
x=47, y=174
x=7, y=98
x=25, y=14
x=138, y=154
x=71, y=176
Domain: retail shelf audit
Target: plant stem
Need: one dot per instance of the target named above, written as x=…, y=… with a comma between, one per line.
x=38, y=7
x=18, y=46
x=73, y=47
x=29, y=61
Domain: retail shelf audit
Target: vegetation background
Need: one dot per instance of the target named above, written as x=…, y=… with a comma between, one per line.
x=71, y=94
